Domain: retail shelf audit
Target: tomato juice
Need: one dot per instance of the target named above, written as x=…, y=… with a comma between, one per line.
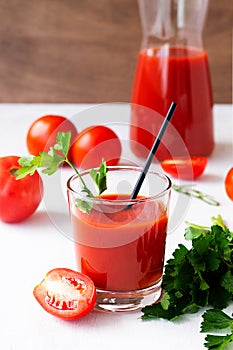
x=121, y=248
x=178, y=74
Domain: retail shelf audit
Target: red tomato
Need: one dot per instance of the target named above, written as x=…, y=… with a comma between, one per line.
x=42, y=133
x=185, y=168
x=19, y=198
x=229, y=184
x=93, y=144
x=66, y=293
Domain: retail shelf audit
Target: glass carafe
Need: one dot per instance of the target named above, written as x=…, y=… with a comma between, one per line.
x=173, y=66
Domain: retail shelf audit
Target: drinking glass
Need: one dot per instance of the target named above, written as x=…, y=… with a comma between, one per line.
x=120, y=243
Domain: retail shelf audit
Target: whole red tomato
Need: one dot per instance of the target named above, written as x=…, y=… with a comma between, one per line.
x=229, y=183
x=66, y=293
x=93, y=144
x=18, y=198
x=42, y=133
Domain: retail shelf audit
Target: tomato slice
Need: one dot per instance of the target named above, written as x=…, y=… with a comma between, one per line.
x=185, y=168
x=229, y=183
x=66, y=293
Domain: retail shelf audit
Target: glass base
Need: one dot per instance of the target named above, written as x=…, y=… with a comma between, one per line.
x=119, y=301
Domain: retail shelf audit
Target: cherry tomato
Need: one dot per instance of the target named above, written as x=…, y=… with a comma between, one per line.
x=93, y=144
x=42, y=133
x=66, y=293
x=19, y=198
x=185, y=168
x=229, y=184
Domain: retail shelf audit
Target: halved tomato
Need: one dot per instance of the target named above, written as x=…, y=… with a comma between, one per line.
x=185, y=168
x=228, y=182
x=66, y=293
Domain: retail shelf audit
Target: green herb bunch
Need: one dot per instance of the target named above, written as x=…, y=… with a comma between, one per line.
x=50, y=162
x=199, y=277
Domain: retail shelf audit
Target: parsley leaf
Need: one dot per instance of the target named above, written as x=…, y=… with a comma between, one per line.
x=50, y=162
x=165, y=302
x=84, y=205
x=214, y=320
x=100, y=176
x=63, y=142
x=217, y=342
x=227, y=281
x=28, y=166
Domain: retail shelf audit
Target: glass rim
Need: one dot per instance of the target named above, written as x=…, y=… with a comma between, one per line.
x=120, y=201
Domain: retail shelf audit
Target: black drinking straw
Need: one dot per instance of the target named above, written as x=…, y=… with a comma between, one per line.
x=153, y=151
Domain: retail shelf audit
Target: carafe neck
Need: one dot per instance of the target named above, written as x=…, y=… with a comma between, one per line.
x=174, y=22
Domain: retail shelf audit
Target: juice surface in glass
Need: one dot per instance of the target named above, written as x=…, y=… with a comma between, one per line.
x=179, y=74
x=121, y=249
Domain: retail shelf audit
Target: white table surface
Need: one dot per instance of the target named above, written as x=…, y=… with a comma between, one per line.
x=31, y=248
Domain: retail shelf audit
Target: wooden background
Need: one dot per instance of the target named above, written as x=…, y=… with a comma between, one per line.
x=86, y=50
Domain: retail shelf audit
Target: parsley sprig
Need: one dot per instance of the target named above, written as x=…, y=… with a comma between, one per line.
x=197, y=277
x=51, y=161
x=215, y=320
x=187, y=190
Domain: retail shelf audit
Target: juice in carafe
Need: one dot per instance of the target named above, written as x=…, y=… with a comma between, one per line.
x=172, y=71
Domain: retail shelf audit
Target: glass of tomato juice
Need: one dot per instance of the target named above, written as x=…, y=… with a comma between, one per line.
x=120, y=243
